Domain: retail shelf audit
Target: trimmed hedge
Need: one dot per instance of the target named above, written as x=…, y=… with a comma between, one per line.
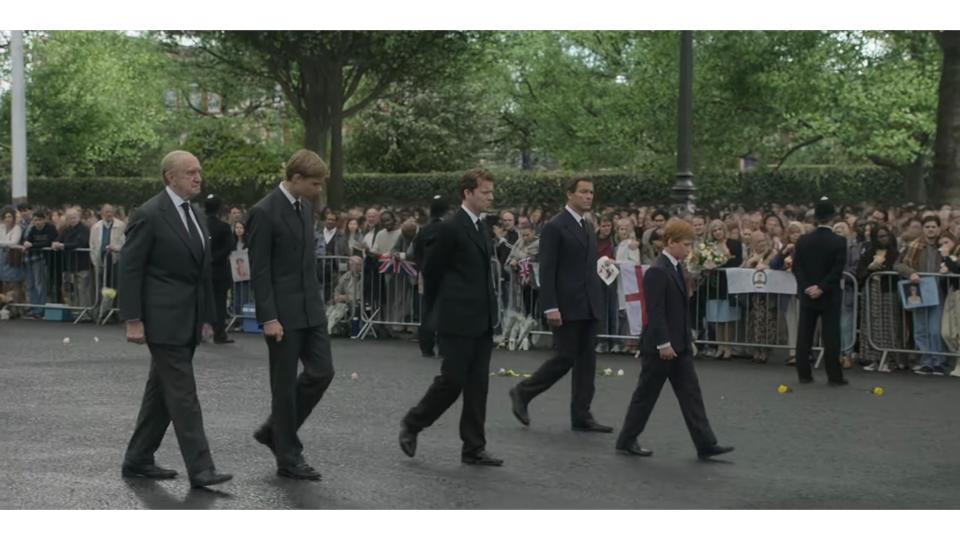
x=514, y=188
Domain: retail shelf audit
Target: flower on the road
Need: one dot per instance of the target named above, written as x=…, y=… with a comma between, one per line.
x=877, y=390
x=783, y=389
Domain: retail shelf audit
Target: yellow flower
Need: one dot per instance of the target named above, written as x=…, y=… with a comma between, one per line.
x=783, y=389
x=107, y=292
x=878, y=390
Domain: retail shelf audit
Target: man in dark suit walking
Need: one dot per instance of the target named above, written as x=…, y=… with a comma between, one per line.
x=290, y=308
x=458, y=286
x=667, y=350
x=570, y=296
x=818, y=262
x=221, y=244
x=166, y=296
x=427, y=333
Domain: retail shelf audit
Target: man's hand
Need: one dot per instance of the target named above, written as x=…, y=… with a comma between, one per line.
x=273, y=329
x=914, y=278
x=135, y=332
x=667, y=353
x=554, y=319
x=27, y=245
x=56, y=246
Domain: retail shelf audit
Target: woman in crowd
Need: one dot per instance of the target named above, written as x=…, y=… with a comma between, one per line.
x=762, y=319
x=882, y=327
x=241, y=287
x=789, y=305
x=628, y=251
x=606, y=247
x=11, y=257
x=354, y=235
x=848, y=332
x=722, y=310
x=773, y=226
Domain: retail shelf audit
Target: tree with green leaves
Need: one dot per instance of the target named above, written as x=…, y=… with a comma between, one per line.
x=94, y=104
x=327, y=77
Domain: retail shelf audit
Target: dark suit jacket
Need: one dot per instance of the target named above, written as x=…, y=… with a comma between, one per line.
x=668, y=316
x=456, y=278
x=568, y=269
x=221, y=244
x=283, y=267
x=819, y=259
x=424, y=237
x=162, y=281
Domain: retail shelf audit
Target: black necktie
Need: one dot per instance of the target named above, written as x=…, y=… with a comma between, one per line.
x=191, y=226
x=296, y=206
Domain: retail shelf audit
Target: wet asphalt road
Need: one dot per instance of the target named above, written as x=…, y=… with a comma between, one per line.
x=67, y=410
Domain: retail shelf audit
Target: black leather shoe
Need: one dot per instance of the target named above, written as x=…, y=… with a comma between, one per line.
x=222, y=340
x=591, y=425
x=147, y=471
x=634, y=449
x=481, y=458
x=519, y=407
x=300, y=471
x=806, y=380
x=210, y=477
x=715, y=450
x=264, y=437
x=408, y=441
x=841, y=382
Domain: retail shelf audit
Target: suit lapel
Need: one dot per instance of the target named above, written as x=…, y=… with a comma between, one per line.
x=288, y=214
x=472, y=231
x=171, y=215
x=672, y=270
x=575, y=228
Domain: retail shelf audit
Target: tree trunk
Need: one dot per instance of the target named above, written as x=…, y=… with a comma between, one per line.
x=315, y=130
x=335, y=191
x=914, y=182
x=946, y=147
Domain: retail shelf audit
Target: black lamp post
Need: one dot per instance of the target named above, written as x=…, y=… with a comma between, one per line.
x=683, y=189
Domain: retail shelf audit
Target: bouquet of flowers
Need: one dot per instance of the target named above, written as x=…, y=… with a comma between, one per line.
x=707, y=256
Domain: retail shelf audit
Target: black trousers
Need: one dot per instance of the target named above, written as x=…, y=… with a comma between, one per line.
x=294, y=397
x=466, y=369
x=170, y=395
x=829, y=316
x=686, y=386
x=575, y=342
x=427, y=337
x=219, y=325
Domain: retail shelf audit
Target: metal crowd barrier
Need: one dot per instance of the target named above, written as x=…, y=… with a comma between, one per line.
x=922, y=325
x=762, y=321
x=58, y=284
x=107, y=276
x=391, y=297
x=759, y=321
x=241, y=305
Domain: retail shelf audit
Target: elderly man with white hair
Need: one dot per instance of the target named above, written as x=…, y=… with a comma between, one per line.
x=107, y=237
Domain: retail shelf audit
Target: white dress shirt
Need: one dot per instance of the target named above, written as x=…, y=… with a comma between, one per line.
x=473, y=217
